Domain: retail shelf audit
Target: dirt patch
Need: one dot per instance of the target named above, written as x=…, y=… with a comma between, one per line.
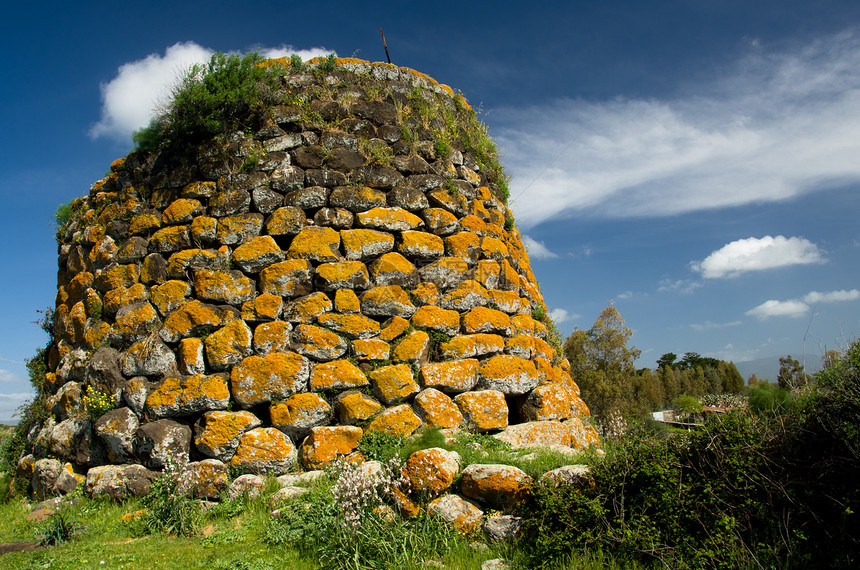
x=18, y=547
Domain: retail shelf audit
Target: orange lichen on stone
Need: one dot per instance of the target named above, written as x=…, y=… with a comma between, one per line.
x=438, y=319
x=437, y=409
x=190, y=356
x=464, y=245
x=116, y=275
x=230, y=287
x=543, y=349
x=181, y=211
x=547, y=402
x=168, y=296
x=172, y=238
x=455, y=376
x=77, y=285
x=257, y=380
x=257, y=253
x=524, y=324
x=536, y=433
x=458, y=512
x=199, y=189
x=477, y=209
x=263, y=307
x=393, y=269
x=238, y=228
x=426, y=294
x=209, y=478
x=319, y=244
x=470, y=345
x=264, y=450
x=290, y=278
x=413, y=348
x=421, y=245
x=446, y=272
x=181, y=261
x=399, y=420
x=144, y=222
x=582, y=434
x=473, y=224
x=387, y=301
x=317, y=342
x=484, y=410
x=299, y=412
x=521, y=345
x=431, y=470
x=326, y=443
x=492, y=248
x=337, y=375
x=363, y=244
x=219, y=432
x=351, y=326
x=193, y=316
x=393, y=383
x=371, y=349
x=137, y=321
x=96, y=334
x=468, y=295
x=228, y=345
x=455, y=203
x=440, y=221
x=272, y=337
x=346, y=302
x=509, y=374
x=203, y=228
x=497, y=485
x=509, y=279
x=342, y=275
x=485, y=320
x=288, y=220
x=389, y=219
x=115, y=299
x=393, y=328
x=308, y=308
x=188, y=395
x=355, y=407
x=509, y=301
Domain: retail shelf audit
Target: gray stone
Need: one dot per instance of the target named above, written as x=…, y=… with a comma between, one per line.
x=266, y=200
x=408, y=198
x=287, y=178
x=117, y=429
x=119, y=481
x=502, y=528
x=149, y=357
x=307, y=198
x=45, y=473
x=249, y=485
x=162, y=443
x=326, y=178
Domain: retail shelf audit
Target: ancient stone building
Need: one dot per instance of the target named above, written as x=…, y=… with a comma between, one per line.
x=260, y=301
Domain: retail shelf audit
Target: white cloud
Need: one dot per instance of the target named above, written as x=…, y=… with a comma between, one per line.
x=625, y=295
x=773, y=308
x=130, y=99
x=537, y=249
x=832, y=297
x=777, y=126
x=559, y=316
x=7, y=376
x=708, y=325
x=684, y=286
x=754, y=254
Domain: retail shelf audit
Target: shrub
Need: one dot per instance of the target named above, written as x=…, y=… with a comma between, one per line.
x=60, y=528
x=97, y=403
x=169, y=508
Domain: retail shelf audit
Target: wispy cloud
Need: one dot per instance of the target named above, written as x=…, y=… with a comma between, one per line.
x=799, y=307
x=537, y=249
x=685, y=286
x=757, y=254
x=624, y=295
x=131, y=98
x=7, y=376
x=776, y=126
x=708, y=325
x=560, y=316
x=832, y=297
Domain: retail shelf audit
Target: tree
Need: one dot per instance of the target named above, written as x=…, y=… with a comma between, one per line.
x=791, y=374
x=733, y=381
x=602, y=364
x=667, y=359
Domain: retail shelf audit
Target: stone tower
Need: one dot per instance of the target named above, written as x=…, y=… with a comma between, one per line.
x=349, y=264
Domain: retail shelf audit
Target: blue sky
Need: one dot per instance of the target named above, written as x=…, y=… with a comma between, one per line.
x=696, y=163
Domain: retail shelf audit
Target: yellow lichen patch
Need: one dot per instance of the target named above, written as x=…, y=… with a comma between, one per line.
x=203, y=228
x=452, y=202
x=257, y=253
x=299, y=412
x=413, y=348
x=103, y=252
x=92, y=235
x=190, y=356
x=317, y=342
x=289, y=278
x=181, y=211
x=545, y=433
x=497, y=485
x=169, y=295
x=371, y=349
x=468, y=295
x=115, y=275
x=485, y=320
x=454, y=376
x=389, y=219
x=477, y=209
x=547, y=402
x=395, y=327
x=342, y=275
x=426, y=293
x=263, y=307
x=351, y=326
x=315, y=244
x=393, y=383
x=238, y=228
x=286, y=221
x=524, y=324
x=543, y=349
x=308, y=308
x=464, y=245
x=508, y=301
x=473, y=224
x=96, y=334
x=346, y=302
x=220, y=431
x=458, y=512
x=437, y=410
x=431, y=470
x=199, y=190
x=484, y=410
x=338, y=375
x=509, y=374
x=530, y=291
x=578, y=407
x=521, y=345
x=193, y=316
x=188, y=395
x=509, y=279
x=387, y=300
x=446, y=272
x=440, y=221
x=264, y=450
x=209, y=479
x=230, y=287
x=469, y=345
x=272, y=337
x=139, y=320
x=393, y=269
x=181, y=261
x=363, y=244
x=421, y=245
x=399, y=420
x=118, y=165
x=144, y=222
x=117, y=298
x=228, y=345
x=582, y=434
x=404, y=503
x=77, y=285
x=172, y=238
x=438, y=319
x=492, y=248
x=326, y=443
x=352, y=407
x=257, y=380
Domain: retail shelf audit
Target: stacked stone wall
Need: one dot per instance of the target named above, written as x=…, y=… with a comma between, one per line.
x=260, y=303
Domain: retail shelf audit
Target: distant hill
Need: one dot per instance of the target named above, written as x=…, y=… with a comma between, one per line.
x=768, y=367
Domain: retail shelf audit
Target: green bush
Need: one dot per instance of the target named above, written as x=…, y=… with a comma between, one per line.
x=60, y=528
x=169, y=509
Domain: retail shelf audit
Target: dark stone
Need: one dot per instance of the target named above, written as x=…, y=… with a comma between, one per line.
x=307, y=198
x=154, y=269
x=228, y=202
x=344, y=159
x=266, y=200
x=161, y=442
x=338, y=218
x=327, y=178
x=408, y=198
x=379, y=112
x=378, y=176
x=309, y=156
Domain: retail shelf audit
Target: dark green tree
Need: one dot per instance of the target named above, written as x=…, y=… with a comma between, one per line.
x=791, y=374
